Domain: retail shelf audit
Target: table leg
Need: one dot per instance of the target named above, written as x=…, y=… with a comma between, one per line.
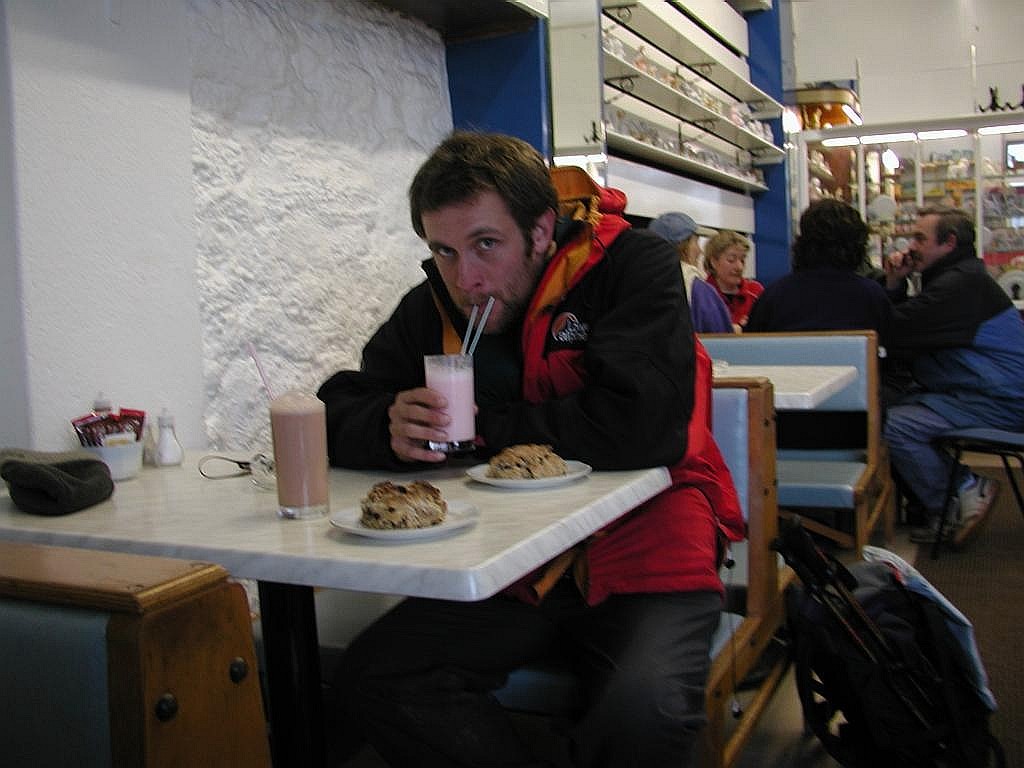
x=292, y=653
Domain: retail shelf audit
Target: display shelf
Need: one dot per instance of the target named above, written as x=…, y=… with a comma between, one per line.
x=646, y=19
x=624, y=76
x=675, y=161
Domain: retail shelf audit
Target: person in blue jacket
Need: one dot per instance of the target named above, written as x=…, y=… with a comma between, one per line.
x=707, y=310
x=962, y=341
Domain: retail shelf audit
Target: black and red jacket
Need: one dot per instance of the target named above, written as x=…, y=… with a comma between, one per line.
x=605, y=367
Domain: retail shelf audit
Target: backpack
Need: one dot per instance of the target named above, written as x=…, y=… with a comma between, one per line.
x=883, y=679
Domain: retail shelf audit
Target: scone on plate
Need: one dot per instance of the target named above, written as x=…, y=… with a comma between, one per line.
x=524, y=462
x=393, y=505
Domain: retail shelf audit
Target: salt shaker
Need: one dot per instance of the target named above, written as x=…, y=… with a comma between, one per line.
x=169, y=452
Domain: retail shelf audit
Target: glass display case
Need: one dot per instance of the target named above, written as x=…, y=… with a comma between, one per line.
x=888, y=171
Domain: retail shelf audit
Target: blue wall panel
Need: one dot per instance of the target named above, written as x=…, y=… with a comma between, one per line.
x=773, y=229
x=501, y=84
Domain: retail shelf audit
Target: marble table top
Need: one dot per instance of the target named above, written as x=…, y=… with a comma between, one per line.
x=175, y=512
x=797, y=387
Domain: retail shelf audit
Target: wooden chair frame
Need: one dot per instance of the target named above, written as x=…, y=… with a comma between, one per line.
x=764, y=610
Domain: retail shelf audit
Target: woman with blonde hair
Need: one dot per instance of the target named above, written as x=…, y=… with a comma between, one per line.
x=725, y=257
x=708, y=312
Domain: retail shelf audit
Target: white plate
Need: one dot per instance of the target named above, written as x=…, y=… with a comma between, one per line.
x=575, y=470
x=460, y=514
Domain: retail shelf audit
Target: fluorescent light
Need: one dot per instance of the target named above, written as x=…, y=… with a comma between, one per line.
x=851, y=113
x=849, y=141
x=1015, y=183
x=888, y=138
x=992, y=130
x=950, y=133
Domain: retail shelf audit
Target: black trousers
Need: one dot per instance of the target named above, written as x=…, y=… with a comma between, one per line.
x=417, y=683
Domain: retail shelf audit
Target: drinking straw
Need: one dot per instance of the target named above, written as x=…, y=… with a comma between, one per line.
x=480, y=325
x=469, y=331
x=259, y=369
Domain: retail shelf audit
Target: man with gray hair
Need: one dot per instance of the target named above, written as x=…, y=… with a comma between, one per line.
x=962, y=341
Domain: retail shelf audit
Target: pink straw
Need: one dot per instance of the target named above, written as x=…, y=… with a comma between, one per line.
x=259, y=369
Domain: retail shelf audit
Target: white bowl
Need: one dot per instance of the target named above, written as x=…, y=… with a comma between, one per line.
x=124, y=461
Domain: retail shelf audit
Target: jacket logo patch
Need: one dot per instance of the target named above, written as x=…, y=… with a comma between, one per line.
x=568, y=329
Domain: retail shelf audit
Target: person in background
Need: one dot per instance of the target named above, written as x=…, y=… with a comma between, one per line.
x=963, y=341
x=824, y=291
x=589, y=348
x=725, y=257
x=707, y=310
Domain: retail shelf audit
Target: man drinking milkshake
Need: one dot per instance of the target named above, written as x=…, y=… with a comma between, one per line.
x=589, y=349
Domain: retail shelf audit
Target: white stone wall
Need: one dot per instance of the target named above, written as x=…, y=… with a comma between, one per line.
x=309, y=120
x=185, y=176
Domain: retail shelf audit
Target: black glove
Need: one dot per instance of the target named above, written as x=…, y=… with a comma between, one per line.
x=52, y=484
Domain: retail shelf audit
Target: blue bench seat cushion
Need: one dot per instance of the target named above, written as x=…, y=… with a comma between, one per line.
x=818, y=483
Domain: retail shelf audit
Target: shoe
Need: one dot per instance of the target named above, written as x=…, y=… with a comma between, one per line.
x=976, y=499
x=975, y=504
x=928, y=533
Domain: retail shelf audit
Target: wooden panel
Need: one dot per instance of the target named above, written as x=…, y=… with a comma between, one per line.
x=104, y=580
x=186, y=651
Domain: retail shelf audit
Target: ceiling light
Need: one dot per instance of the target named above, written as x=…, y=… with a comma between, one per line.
x=992, y=130
x=848, y=141
x=950, y=133
x=890, y=160
x=851, y=113
x=888, y=138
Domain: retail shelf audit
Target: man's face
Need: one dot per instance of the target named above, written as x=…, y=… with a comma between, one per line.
x=924, y=248
x=480, y=252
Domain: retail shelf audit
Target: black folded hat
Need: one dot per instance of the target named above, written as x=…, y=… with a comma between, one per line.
x=58, y=483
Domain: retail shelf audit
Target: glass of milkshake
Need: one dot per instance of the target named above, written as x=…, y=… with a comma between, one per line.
x=452, y=376
x=299, y=428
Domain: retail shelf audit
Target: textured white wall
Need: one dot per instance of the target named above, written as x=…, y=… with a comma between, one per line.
x=189, y=175
x=309, y=120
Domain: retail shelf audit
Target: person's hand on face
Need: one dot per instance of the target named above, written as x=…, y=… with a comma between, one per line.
x=416, y=416
x=898, y=265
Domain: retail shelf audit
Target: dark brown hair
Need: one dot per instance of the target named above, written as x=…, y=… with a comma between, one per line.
x=468, y=163
x=832, y=234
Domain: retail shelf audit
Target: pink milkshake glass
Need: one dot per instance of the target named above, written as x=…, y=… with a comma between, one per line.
x=299, y=429
x=452, y=376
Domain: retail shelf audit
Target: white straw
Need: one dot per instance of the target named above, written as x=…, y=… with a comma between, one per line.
x=469, y=330
x=259, y=369
x=480, y=325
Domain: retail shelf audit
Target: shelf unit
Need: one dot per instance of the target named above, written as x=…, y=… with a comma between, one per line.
x=700, y=115
x=655, y=22
x=666, y=158
x=945, y=161
x=626, y=77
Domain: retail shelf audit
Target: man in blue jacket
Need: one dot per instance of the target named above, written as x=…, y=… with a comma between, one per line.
x=962, y=341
